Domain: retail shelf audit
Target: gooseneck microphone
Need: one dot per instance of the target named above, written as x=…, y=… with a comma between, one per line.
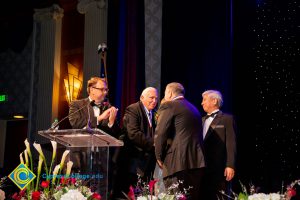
x=56, y=124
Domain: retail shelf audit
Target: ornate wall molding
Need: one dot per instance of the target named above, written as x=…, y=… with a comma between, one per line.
x=84, y=5
x=54, y=12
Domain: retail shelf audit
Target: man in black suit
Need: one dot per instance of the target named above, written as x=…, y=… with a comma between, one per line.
x=93, y=112
x=178, y=146
x=99, y=114
x=219, y=135
x=137, y=155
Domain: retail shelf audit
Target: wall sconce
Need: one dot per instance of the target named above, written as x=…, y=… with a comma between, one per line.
x=73, y=83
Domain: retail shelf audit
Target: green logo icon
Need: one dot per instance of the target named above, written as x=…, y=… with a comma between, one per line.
x=21, y=176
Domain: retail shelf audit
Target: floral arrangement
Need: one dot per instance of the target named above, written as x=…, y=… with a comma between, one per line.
x=291, y=189
x=253, y=195
x=145, y=191
x=55, y=186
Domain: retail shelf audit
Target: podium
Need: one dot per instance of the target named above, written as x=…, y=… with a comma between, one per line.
x=95, y=144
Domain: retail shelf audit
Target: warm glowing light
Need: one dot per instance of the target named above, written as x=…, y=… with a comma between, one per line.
x=72, y=83
x=18, y=116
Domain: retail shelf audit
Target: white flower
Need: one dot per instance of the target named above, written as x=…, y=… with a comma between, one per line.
x=39, y=149
x=69, y=167
x=54, y=146
x=55, y=171
x=27, y=147
x=73, y=195
x=262, y=196
x=146, y=197
x=62, y=162
x=26, y=157
x=275, y=196
x=21, y=158
x=40, y=164
x=165, y=196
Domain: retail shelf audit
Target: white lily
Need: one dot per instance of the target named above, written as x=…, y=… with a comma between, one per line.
x=54, y=146
x=55, y=171
x=69, y=167
x=30, y=156
x=26, y=157
x=39, y=149
x=27, y=147
x=39, y=171
x=21, y=158
x=63, y=158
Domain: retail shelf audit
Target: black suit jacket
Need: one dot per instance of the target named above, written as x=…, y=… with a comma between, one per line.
x=80, y=119
x=137, y=128
x=138, y=150
x=179, y=137
x=220, y=144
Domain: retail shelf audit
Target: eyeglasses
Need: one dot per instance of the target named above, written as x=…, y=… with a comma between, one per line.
x=101, y=89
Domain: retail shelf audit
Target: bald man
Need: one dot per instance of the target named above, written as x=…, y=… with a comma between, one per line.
x=137, y=156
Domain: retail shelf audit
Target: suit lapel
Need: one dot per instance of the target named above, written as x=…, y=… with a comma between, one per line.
x=90, y=110
x=149, y=131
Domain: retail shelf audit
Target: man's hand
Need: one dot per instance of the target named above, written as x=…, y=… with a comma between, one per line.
x=229, y=173
x=112, y=115
x=104, y=115
x=160, y=164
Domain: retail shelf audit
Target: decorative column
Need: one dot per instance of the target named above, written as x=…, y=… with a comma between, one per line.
x=49, y=22
x=95, y=33
x=153, y=41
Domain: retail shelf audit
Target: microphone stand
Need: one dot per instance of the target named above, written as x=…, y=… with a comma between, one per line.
x=55, y=125
x=102, y=48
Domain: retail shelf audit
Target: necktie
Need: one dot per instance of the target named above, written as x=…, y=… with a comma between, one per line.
x=150, y=118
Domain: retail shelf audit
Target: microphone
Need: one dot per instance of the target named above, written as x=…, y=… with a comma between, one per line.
x=56, y=124
x=102, y=48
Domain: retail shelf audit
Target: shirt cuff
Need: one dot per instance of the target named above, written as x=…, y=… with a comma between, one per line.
x=109, y=125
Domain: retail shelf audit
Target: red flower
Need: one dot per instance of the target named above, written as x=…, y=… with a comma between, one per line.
x=131, y=193
x=35, y=195
x=291, y=192
x=22, y=192
x=151, y=185
x=63, y=180
x=96, y=196
x=44, y=184
x=73, y=180
x=16, y=196
x=182, y=197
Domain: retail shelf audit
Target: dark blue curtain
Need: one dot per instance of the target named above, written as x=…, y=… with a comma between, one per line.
x=126, y=57
x=197, y=47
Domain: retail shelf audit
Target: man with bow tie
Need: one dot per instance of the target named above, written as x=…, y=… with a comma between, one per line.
x=92, y=112
x=96, y=113
x=219, y=136
x=137, y=154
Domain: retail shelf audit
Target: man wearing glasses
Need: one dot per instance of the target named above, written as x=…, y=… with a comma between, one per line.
x=93, y=111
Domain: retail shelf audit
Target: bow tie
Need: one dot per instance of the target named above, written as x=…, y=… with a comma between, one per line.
x=98, y=105
x=211, y=115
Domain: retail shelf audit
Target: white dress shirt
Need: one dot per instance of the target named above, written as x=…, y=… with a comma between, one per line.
x=207, y=123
